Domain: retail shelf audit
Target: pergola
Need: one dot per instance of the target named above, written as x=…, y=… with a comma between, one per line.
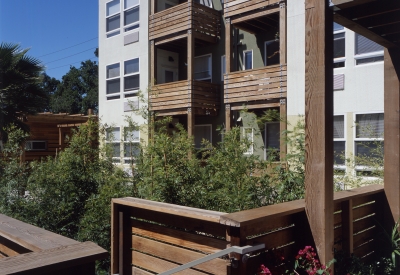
x=379, y=21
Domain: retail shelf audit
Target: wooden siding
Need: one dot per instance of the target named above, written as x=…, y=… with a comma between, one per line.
x=185, y=94
x=238, y=7
x=258, y=84
x=203, y=21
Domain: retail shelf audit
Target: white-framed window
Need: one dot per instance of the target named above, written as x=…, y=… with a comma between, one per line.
x=114, y=139
x=339, y=46
x=131, y=77
x=272, y=143
x=36, y=145
x=368, y=140
x=201, y=132
x=131, y=15
x=248, y=134
x=248, y=60
x=113, y=81
x=367, y=51
x=207, y=3
x=113, y=18
x=339, y=141
x=131, y=145
x=203, y=68
x=223, y=67
x=271, y=52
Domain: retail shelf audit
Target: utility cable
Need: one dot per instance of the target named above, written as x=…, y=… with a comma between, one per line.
x=68, y=47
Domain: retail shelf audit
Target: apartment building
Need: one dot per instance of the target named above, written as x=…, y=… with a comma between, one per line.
x=205, y=61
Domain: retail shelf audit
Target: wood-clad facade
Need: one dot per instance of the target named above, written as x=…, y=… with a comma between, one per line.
x=48, y=133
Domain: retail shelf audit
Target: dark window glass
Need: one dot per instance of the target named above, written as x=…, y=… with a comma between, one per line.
x=339, y=45
x=113, y=23
x=113, y=86
x=339, y=148
x=131, y=83
x=131, y=16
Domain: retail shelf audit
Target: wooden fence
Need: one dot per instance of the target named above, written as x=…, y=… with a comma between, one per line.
x=151, y=237
x=202, y=20
x=27, y=249
x=238, y=7
x=258, y=84
x=185, y=94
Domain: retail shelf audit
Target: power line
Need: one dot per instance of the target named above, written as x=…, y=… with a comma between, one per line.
x=68, y=47
x=70, y=64
x=70, y=56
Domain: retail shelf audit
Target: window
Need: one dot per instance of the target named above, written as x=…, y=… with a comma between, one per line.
x=369, y=136
x=338, y=82
x=248, y=135
x=202, y=132
x=202, y=68
x=339, y=46
x=207, y=3
x=271, y=53
x=114, y=140
x=272, y=141
x=131, y=145
x=131, y=15
x=36, y=145
x=248, y=60
x=112, y=18
x=223, y=67
x=339, y=141
x=367, y=51
x=131, y=77
x=113, y=81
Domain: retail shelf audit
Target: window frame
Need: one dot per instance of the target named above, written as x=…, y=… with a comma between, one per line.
x=135, y=24
x=223, y=66
x=341, y=166
x=109, y=96
x=250, y=150
x=244, y=59
x=266, y=139
x=366, y=55
x=32, y=141
x=129, y=160
x=340, y=59
x=266, y=43
x=117, y=31
x=113, y=141
x=210, y=68
x=131, y=93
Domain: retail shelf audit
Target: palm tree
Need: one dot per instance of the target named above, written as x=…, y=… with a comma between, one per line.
x=20, y=91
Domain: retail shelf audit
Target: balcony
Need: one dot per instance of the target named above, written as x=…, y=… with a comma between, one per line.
x=266, y=83
x=176, y=97
x=175, y=22
x=27, y=249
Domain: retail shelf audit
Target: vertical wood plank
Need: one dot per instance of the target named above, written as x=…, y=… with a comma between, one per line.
x=153, y=7
x=233, y=237
x=190, y=122
x=228, y=46
x=283, y=127
x=347, y=226
x=228, y=117
x=125, y=242
x=153, y=63
x=392, y=130
x=114, y=238
x=282, y=33
x=319, y=125
x=190, y=61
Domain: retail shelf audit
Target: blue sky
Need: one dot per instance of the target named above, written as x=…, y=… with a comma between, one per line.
x=47, y=26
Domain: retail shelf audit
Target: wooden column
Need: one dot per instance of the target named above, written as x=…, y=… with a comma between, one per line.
x=228, y=117
x=282, y=128
x=229, y=68
x=153, y=63
x=319, y=125
x=190, y=66
x=282, y=33
x=153, y=6
x=392, y=130
x=347, y=227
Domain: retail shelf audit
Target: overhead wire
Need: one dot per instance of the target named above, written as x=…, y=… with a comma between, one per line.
x=70, y=55
x=71, y=63
x=69, y=47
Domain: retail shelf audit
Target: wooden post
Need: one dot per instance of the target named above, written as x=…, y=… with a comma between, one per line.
x=125, y=243
x=190, y=65
x=153, y=63
x=319, y=125
x=282, y=33
x=228, y=117
x=282, y=128
x=392, y=130
x=114, y=238
x=347, y=226
x=153, y=7
x=229, y=69
x=234, y=237
x=61, y=140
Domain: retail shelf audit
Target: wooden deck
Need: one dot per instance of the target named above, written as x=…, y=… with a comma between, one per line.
x=174, y=23
x=257, y=8
x=258, y=84
x=162, y=235
x=27, y=249
x=185, y=94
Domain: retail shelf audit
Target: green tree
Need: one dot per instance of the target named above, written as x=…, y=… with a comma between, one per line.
x=20, y=91
x=49, y=85
x=78, y=90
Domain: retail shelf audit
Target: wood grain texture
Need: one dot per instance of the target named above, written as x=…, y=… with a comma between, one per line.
x=319, y=121
x=54, y=259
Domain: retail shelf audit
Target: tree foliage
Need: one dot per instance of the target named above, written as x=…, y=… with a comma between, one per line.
x=20, y=91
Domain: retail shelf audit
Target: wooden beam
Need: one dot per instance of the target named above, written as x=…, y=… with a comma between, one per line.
x=282, y=33
x=228, y=46
x=319, y=125
x=283, y=127
x=228, y=117
x=347, y=226
x=342, y=4
x=190, y=68
x=392, y=130
x=153, y=6
x=153, y=63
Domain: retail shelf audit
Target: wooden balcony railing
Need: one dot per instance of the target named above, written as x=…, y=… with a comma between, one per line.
x=156, y=236
x=237, y=7
x=27, y=249
x=203, y=21
x=258, y=84
x=184, y=94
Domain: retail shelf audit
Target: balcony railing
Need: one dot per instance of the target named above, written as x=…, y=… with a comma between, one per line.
x=185, y=94
x=27, y=249
x=258, y=84
x=203, y=21
x=237, y=7
x=157, y=236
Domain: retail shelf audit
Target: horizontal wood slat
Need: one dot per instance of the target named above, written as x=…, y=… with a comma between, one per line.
x=238, y=7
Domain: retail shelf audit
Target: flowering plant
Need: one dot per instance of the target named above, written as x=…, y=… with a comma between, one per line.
x=263, y=270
